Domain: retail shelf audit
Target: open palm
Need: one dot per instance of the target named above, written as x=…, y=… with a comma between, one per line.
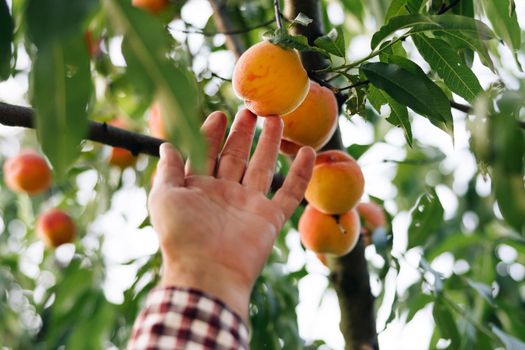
x=221, y=226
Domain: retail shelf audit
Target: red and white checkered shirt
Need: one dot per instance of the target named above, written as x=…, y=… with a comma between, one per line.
x=185, y=318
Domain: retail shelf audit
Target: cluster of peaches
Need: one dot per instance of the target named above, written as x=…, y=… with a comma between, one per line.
x=272, y=81
x=28, y=172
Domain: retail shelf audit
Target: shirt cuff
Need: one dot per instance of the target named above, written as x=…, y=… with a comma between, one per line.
x=186, y=318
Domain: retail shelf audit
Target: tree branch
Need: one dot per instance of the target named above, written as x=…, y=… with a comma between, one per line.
x=349, y=274
x=224, y=23
x=461, y=107
x=18, y=116
x=12, y=115
x=278, y=19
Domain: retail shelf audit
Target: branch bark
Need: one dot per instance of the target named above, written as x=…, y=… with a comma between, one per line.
x=349, y=274
x=223, y=22
x=12, y=115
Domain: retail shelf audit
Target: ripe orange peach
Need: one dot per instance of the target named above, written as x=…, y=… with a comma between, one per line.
x=121, y=157
x=155, y=124
x=27, y=172
x=271, y=80
x=55, y=227
x=329, y=234
x=372, y=218
x=312, y=123
x=372, y=215
x=337, y=183
x=153, y=6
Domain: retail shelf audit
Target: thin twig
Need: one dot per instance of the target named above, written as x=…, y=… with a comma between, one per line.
x=226, y=32
x=278, y=19
x=215, y=75
x=359, y=83
x=461, y=107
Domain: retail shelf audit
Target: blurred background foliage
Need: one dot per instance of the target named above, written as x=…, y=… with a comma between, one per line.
x=457, y=213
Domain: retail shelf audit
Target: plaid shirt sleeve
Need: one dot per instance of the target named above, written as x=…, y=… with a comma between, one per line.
x=185, y=318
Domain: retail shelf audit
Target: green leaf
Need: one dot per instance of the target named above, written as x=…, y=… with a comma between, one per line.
x=482, y=289
x=398, y=113
x=460, y=41
x=455, y=244
x=419, y=23
x=396, y=8
x=464, y=8
x=6, y=38
x=49, y=20
x=176, y=90
x=510, y=342
x=94, y=329
x=505, y=22
x=298, y=42
x=356, y=151
x=61, y=88
x=333, y=42
x=61, y=78
x=446, y=323
x=410, y=86
x=427, y=217
x=508, y=142
x=450, y=67
x=355, y=7
x=415, y=304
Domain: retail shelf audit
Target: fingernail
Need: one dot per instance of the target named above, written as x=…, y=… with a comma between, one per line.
x=163, y=150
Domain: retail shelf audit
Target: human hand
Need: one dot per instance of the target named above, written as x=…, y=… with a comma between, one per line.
x=217, y=230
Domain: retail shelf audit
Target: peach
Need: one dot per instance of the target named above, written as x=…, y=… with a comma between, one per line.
x=155, y=123
x=312, y=123
x=121, y=157
x=329, y=234
x=27, y=172
x=55, y=227
x=152, y=6
x=271, y=80
x=372, y=215
x=372, y=218
x=337, y=183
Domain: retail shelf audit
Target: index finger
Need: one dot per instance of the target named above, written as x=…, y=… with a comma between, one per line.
x=170, y=169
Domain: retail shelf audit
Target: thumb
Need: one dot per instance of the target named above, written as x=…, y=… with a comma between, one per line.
x=170, y=170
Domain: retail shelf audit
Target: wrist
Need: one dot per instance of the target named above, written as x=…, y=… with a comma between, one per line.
x=216, y=281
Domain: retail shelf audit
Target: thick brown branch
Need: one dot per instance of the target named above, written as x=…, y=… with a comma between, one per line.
x=11, y=115
x=351, y=282
x=349, y=273
x=224, y=24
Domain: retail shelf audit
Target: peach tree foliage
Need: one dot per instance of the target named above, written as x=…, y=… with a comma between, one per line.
x=422, y=56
